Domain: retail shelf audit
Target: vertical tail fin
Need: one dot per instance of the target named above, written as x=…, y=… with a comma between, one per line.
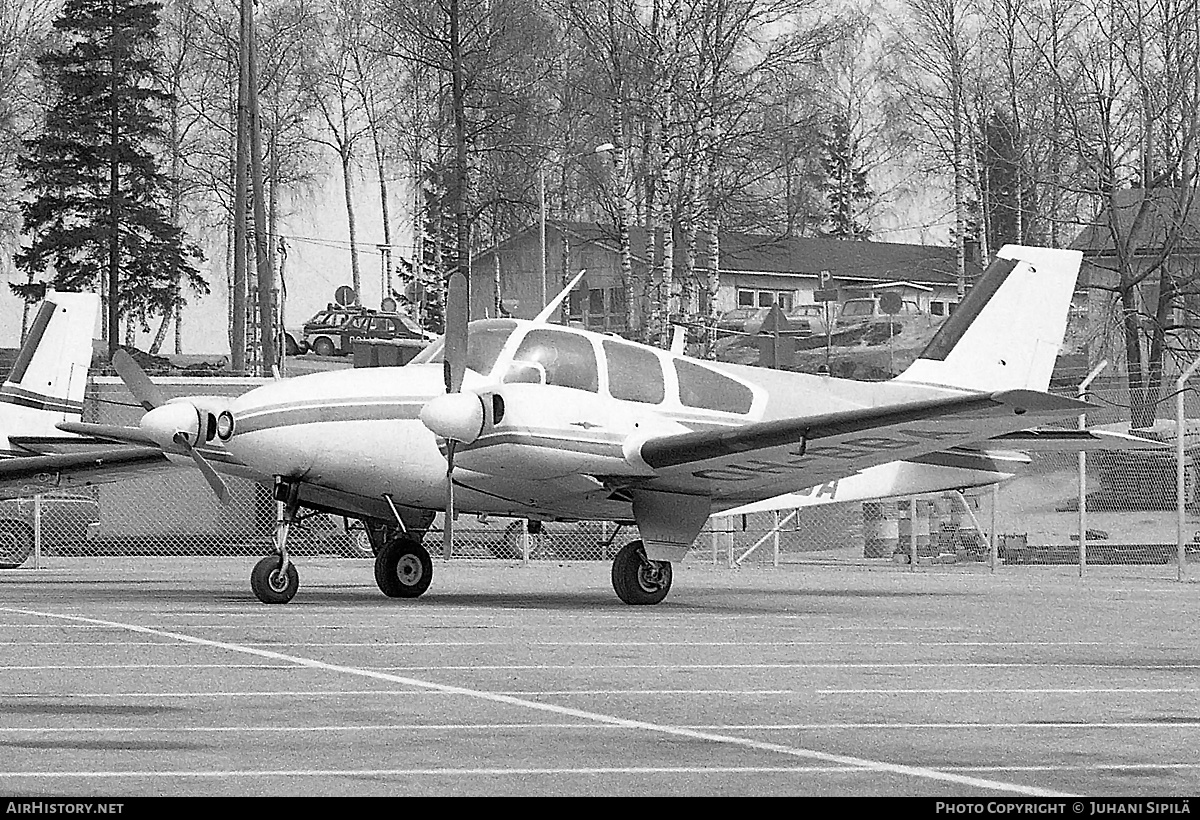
x=1006, y=333
x=49, y=377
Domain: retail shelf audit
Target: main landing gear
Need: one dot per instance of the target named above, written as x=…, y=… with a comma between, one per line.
x=636, y=579
x=403, y=568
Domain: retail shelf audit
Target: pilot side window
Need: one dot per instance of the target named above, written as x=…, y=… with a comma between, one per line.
x=634, y=374
x=568, y=359
x=709, y=390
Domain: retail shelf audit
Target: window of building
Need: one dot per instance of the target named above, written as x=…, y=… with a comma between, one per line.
x=568, y=358
x=634, y=374
x=937, y=308
x=709, y=390
x=746, y=298
x=596, y=302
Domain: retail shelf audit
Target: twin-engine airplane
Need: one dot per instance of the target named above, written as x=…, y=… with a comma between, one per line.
x=526, y=419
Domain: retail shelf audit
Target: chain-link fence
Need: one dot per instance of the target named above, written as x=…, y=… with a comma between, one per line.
x=1129, y=513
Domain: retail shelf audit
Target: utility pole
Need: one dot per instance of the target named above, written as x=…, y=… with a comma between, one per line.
x=266, y=276
x=237, y=299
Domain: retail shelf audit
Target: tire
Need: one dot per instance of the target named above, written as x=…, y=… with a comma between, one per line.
x=269, y=586
x=322, y=346
x=508, y=548
x=637, y=580
x=16, y=544
x=403, y=568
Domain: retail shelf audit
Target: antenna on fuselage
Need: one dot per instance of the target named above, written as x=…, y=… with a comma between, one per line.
x=548, y=310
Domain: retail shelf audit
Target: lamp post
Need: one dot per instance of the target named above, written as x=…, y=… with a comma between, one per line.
x=599, y=149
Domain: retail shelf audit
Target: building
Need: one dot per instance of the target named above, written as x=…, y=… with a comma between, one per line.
x=755, y=271
x=1157, y=232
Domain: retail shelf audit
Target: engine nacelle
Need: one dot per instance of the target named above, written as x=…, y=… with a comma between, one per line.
x=457, y=416
x=178, y=417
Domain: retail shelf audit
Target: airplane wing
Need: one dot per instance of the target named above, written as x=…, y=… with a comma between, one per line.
x=29, y=475
x=768, y=458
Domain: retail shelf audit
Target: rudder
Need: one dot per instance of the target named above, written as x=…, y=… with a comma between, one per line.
x=1006, y=333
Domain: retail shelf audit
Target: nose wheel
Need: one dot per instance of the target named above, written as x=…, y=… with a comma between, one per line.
x=271, y=584
x=274, y=579
x=636, y=579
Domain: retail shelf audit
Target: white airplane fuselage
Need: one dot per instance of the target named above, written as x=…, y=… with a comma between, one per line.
x=359, y=431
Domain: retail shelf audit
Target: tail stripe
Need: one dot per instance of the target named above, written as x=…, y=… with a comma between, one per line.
x=10, y=394
x=25, y=356
x=968, y=310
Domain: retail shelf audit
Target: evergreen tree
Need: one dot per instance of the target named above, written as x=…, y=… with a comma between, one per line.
x=98, y=199
x=846, y=187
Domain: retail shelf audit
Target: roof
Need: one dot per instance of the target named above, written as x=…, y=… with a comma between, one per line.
x=785, y=255
x=1165, y=208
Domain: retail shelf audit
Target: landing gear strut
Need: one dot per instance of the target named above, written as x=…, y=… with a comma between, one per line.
x=274, y=579
x=636, y=579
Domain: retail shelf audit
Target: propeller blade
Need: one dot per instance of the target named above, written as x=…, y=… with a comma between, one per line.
x=456, y=331
x=139, y=384
x=214, y=480
x=448, y=541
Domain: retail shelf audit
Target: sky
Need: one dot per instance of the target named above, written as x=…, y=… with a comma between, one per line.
x=318, y=261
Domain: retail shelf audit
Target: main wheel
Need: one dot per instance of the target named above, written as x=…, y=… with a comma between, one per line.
x=16, y=543
x=403, y=568
x=272, y=586
x=638, y=580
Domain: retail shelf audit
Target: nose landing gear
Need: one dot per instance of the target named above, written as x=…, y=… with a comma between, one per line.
x=274, y=579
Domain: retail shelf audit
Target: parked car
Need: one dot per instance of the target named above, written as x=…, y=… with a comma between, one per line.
x=854, y=312
x=380, y=325
x=65, y=521
x=806, y=320
x=322, y=333
x=742, y=320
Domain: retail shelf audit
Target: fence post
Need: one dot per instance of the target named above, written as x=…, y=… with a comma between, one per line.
x=994, y=546
x=37, y=532
x=1180, y=472
x=1083, y=386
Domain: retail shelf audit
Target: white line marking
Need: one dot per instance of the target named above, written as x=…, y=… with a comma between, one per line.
x=950, y=772
x=423, y=689
x=844, y=760
x=149, y=666
x=1080, y=691
x=474, y=727
x=600, y=666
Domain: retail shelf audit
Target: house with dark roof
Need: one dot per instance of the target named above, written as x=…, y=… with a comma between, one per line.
x=755, y=271
x=1157, y=231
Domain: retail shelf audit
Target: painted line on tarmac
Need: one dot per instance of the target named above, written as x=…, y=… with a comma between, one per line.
x=1080, y=691
x=788, y=666
x=102, y=666
x=860, y=764
x=475, y=727
x=957, y=773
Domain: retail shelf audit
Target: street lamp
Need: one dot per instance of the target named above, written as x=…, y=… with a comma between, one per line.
x=599, y=149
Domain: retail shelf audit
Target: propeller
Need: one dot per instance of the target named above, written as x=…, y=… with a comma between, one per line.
x=168, y=422
x=456, y=416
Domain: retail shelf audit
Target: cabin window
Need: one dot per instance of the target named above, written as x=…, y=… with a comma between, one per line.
x=709, y=390
x=568, y=359
x=634, y=374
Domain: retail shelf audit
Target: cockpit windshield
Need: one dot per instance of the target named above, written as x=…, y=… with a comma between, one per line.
x=485, y=339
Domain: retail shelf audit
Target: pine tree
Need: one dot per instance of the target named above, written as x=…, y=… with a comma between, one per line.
x=98, y=199
x=846, y=187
